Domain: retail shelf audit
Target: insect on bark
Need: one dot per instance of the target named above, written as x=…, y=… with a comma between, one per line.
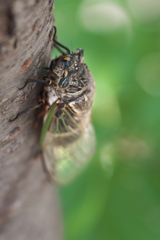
x=67, y=138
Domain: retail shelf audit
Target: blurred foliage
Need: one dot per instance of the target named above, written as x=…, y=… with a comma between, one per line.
x=118, y=195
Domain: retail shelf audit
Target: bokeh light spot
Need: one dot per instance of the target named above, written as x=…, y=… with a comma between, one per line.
x=144, y=10
x=148, y=74
x=103, y=16
x=133, y=148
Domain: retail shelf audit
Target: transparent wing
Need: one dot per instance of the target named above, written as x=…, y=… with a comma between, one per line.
x=67, y=146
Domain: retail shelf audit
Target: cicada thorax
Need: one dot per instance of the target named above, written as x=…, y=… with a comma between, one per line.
x=69, y=141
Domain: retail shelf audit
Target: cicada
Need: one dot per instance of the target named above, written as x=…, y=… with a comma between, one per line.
x=67, y=138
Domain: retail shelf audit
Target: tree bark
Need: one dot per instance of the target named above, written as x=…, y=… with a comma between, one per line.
x=28, y=202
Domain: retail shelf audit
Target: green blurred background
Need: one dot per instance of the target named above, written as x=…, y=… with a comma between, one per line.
x=117, y=197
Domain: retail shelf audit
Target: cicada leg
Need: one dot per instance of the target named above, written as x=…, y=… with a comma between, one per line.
x=57, y=43
x=41, y=102
x=48, y=81
x=42, y=113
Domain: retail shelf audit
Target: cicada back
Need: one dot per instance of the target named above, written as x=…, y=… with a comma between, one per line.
x=68, y=139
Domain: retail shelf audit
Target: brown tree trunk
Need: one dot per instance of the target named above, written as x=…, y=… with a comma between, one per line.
x=28, y=202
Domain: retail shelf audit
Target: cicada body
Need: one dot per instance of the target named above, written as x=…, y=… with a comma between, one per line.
x=68, y=139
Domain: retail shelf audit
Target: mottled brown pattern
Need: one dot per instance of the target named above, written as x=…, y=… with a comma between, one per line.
x=71, y=90
x=28, y=202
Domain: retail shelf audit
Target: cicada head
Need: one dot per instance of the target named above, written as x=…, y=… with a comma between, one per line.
x=71, y=73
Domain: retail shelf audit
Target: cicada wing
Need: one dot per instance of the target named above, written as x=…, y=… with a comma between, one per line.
x=66, y=153
x=49, y=118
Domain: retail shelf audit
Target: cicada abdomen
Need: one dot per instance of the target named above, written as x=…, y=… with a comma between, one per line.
x=68, y=139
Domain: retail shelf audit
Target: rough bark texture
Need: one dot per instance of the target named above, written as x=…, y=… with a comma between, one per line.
x=28, y=202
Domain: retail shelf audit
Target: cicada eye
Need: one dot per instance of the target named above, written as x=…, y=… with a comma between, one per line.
x=63, y=83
